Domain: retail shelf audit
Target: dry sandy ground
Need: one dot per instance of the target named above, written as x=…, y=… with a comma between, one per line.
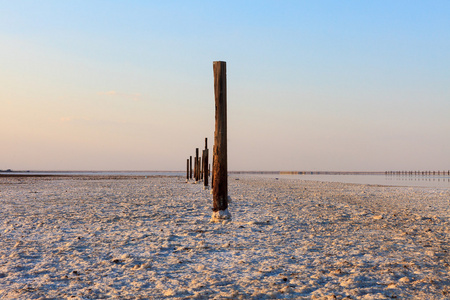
x=150, y=238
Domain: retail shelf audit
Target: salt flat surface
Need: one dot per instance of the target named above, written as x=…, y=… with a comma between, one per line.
x=131, y=238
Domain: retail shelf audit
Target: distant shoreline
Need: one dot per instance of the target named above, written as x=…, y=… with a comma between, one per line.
x=311, y=172
x=23, y=172
x=10, y=172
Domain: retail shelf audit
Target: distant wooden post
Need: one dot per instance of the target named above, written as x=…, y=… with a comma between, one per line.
x=187, y=170
x=200, y=168
x=196, y=169
x=205, y=169
x=220, y=190
x=205, y=165
x=190, y=167
x=194, y=174
x=196, y=165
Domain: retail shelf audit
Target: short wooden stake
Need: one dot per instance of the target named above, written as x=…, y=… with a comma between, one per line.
x=220, y=190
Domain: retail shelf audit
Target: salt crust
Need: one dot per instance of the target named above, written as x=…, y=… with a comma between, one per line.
x=221, y=215
x=87, y=238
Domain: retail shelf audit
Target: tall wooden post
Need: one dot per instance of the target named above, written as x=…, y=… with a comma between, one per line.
x=220, y=190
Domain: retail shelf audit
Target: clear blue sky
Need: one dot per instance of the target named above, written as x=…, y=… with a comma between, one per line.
x=312, y=85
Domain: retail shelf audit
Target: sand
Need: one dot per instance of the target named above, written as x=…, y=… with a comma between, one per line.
x=151, y=238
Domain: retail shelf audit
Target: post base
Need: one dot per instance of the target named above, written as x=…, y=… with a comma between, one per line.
x=219, y=216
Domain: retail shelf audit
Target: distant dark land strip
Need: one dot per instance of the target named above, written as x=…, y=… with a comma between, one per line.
x=310, y=172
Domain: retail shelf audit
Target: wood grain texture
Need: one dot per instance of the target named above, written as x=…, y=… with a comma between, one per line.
x=220, y=170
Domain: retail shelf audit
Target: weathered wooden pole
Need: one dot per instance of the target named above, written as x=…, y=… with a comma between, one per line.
x=220, y=191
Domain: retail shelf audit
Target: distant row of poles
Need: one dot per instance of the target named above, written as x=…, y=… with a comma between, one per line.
x=417, y=173
x=199, y=169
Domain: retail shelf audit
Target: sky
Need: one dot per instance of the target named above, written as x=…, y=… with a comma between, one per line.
x=312, y=85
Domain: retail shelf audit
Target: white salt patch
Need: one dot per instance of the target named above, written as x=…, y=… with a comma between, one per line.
x=221, y=215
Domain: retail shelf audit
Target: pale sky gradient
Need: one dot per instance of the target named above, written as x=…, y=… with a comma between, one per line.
x=312, y=85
